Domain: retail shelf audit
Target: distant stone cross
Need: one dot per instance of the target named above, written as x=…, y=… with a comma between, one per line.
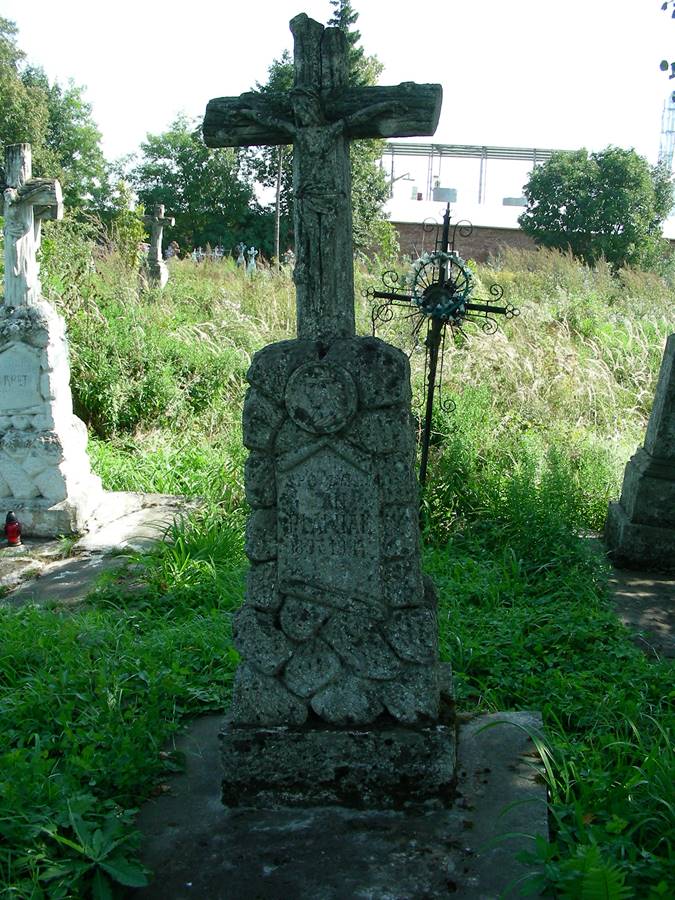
x=27, y=202
x=319, y=116
x=156, y=223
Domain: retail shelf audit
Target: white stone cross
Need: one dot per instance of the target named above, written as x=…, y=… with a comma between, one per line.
x=157, y=221
x=27, y=202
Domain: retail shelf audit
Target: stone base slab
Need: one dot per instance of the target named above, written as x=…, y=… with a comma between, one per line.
x=43, y=518
x=638, y=546
x=386, y=767
x=198, y=848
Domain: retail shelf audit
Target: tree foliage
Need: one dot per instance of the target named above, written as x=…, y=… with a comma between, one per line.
x=72, y=142
x=363, y=70
x=55, y=120
x=25, y=115
x=607, y=204
x=200, y=187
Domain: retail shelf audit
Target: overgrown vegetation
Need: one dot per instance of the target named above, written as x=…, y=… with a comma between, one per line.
x=547, y=413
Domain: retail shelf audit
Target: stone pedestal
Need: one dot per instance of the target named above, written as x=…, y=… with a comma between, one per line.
x=158, y=273
x=384, y=766
x=640, y=528
x=340, y=686
x=45, y=476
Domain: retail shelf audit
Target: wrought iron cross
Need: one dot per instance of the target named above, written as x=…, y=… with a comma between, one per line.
x=27, y=202
x=438, y=292
x=319, y=116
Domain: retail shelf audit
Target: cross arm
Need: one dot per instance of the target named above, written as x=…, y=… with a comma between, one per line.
x=44, y=195
x=250, y=119
x=402, y=110
x=159, y=220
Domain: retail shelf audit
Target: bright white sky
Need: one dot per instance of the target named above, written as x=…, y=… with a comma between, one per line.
x=562, y=74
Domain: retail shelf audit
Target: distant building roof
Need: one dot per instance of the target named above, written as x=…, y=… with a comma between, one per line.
x=482, y=215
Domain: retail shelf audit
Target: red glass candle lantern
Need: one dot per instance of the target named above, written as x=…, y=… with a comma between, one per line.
x=12, y=530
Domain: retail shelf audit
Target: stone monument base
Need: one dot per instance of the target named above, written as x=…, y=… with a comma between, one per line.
x=640, y=528
x=45, y=474
x=636, y=545
x=199, y=848
x=158, y=274
x=43, y=518
x=386, y=767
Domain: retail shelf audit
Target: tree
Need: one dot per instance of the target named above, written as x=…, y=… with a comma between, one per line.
x=608, y=204
x=201, y=188
x=363, y=70
x=72, y=142
x=56, y=121
x=273, y=166
x=24, y=116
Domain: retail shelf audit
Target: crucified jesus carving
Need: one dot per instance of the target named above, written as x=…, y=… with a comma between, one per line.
x=319, y=116
x=320, y=194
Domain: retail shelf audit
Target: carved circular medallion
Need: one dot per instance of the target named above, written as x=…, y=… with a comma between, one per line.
x=321, y=397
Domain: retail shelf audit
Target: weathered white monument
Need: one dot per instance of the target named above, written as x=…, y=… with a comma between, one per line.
x=339, y=697
x=640, y=528
x=251, y=266
x=157, y=269
x=45, y=476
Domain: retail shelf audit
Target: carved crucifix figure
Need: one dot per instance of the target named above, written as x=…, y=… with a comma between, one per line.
x=319, y=116
x=27, y=202
x=156, y=223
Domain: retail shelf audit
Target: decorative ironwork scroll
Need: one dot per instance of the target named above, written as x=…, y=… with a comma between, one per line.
x=439, y=292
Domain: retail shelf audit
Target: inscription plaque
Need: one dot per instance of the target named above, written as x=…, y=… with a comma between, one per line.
x=329, y=540
x=19, y=379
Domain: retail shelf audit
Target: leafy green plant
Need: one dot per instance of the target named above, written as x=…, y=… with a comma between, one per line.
x=95, y=855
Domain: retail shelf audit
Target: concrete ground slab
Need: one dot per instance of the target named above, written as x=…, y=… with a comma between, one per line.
x=66, y=582
x=197, y=848
x=645, y=603
x=123, y=522
x=16, y=567
x=131, y=521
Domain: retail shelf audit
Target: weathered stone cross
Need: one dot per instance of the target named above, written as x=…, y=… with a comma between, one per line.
x=27, y=202
x=156, y=223
x=319, y=116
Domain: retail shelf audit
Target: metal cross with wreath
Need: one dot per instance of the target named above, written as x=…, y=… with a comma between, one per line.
x=439, y=291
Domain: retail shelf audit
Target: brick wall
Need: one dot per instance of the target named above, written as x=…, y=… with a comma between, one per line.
x=482, y=243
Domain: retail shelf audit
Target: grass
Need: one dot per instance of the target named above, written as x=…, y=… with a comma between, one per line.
x=547, y=413
x=89, y=700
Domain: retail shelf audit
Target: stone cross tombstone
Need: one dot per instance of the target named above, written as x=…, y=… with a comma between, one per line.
x=45, y=476
x=251, y=265
x=157, y=269
x=338, y=696
x=241, y=249
x=27, y=202
x=640, y=528
x=319, y=116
